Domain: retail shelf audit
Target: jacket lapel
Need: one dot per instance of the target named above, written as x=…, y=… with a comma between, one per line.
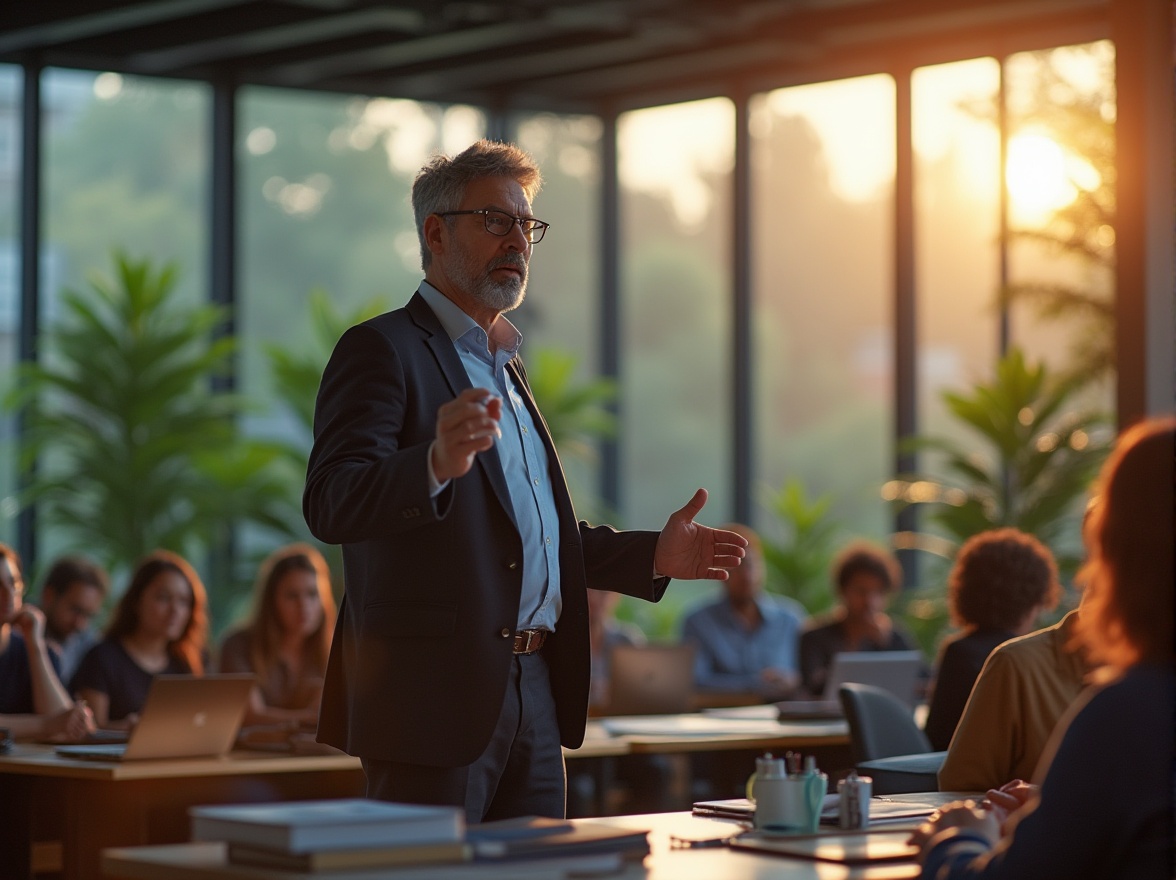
x=454, y=372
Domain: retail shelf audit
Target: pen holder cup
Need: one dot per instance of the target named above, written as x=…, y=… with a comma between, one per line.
x=790, y=804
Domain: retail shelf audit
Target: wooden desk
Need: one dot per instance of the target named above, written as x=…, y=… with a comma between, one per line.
x=673, y=734
x=731, y=743
x=206, y=861
x=88, y=805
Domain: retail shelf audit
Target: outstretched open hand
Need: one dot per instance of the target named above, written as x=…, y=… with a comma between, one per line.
x=687, y=550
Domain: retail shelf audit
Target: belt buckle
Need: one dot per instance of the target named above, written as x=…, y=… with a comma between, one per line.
x=531, y=634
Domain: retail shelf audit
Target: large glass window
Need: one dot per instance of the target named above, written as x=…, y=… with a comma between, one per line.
x=675, y=168
x=1061, y=105
x=10, y=113
x=126, y=168
x=957, y=231
x=822, y=215
x=560, y=319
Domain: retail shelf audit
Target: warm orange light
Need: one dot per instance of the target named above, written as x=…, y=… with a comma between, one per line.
x=1043, y=177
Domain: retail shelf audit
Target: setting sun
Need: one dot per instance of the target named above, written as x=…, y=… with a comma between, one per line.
x=1042, y=177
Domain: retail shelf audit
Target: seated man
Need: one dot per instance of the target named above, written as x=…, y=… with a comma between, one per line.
x=71, y=596
x=865, y=577
x=746, y=640
x=1025, y=687
x=33, y=704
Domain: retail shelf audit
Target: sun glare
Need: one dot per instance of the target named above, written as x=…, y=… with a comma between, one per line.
x=1039, y=177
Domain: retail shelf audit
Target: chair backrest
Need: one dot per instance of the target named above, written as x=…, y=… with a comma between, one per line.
x=651, y=679
x=880, y=725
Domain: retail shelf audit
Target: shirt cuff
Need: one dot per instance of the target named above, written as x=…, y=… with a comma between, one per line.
x=952, y=848
x=436, y=487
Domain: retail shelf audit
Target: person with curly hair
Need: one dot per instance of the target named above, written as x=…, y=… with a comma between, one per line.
x=160, y=627
x=1103, y=807
x=1001, y=582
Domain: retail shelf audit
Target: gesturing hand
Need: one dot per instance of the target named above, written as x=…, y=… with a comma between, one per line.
x=466, y=425
x=688, y=551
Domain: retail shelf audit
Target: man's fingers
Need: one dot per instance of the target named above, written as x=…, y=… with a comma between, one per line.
x=693, y=506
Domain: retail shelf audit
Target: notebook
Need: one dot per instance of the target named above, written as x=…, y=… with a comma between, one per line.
x=651, y=679
x=184, y=716
x=894, y=671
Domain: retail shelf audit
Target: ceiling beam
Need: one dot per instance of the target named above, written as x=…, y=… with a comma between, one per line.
x=71, y=28
x=274, y=39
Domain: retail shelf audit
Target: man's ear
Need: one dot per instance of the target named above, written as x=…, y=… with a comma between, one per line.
x=435, y=233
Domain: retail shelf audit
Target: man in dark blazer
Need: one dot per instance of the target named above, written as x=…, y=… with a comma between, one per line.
x=460, y=661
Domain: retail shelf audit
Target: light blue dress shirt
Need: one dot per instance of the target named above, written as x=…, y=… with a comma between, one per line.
x=729, y=657
x=524, y=458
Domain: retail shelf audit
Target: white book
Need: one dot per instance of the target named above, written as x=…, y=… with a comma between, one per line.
x=306, y=826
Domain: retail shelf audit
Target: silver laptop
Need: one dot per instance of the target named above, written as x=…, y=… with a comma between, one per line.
x=184, y=716
x=650, y=679
x=893, y=671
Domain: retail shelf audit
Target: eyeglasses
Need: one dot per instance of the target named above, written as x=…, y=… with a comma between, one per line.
x=501, y=223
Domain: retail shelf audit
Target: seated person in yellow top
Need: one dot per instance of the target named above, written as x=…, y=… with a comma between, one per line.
x=33, y=704
x=288, y=638
x=1024, y=689
x=1001, y=581
x=159, y=627
x=865, y=577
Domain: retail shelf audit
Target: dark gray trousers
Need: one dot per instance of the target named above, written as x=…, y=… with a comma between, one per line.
x=521, y=773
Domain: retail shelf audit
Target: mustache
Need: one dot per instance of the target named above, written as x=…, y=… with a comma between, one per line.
x=515, y=261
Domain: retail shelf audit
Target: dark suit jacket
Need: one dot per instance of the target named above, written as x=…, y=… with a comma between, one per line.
x=423, y=643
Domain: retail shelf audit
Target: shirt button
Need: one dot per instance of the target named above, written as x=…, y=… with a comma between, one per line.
x=512, y=565
x=549, y=542
x=536, y=481
x=524, y=429
x=505, y=633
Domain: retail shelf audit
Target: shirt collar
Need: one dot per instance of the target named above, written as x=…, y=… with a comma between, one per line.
x=457, y=323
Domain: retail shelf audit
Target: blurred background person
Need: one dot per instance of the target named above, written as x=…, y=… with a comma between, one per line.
x=71, y=597
x=159, y=627
x=287, y=639
x=1104, y=808
x=605, y=632
x=33, y=703
x=865, y=577
x=747, y=640
x=1001, y=582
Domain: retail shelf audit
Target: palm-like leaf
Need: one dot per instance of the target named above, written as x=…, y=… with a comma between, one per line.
x=134, y=448
x=1038, y=458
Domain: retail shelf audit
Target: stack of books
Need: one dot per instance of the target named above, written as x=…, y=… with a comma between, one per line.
x=355, y=834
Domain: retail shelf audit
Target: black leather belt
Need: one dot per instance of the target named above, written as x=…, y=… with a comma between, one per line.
x=528, y=641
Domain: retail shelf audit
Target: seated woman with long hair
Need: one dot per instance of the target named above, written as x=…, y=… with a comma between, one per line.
x=1104, y=807
x=287, y=640
x=159, y=627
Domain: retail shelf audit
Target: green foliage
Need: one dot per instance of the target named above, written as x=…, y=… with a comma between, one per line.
x=1040, y=457
x=297, y=370
x=798, y=565
x=576, y=413
x=134, y=447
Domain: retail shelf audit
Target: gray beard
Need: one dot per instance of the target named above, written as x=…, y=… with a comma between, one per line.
x=502, y=296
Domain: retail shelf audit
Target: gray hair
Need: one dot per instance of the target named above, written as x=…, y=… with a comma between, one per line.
x=441, y=184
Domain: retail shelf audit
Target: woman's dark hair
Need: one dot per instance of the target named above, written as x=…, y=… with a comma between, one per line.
x=862, y=556
x=1000, y=576
x=189, y=647
x=1127, y=608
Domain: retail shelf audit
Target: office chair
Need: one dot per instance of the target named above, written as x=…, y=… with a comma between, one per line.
x=886, y=743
